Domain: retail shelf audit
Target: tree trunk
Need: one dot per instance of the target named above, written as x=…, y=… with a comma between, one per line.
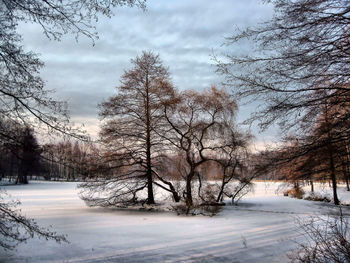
x=333, y=178
x=22, y=178
x=346, y=176
x=347, y=168
x=331, y=158
x=221, y=192
x=176, y=197
x=189, y=199
x=312, y=185
x=150, y=196
x=11, y=168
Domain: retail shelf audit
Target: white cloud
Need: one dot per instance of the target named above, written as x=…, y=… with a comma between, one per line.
x=185, y=33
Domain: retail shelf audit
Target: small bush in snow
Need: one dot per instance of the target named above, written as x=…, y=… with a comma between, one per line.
x=318, y=197
x=295, y=192
x=197, y=208
x=327, y=241
x=204, y=204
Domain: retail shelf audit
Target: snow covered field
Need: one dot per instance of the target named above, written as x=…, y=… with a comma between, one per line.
x=261, y=229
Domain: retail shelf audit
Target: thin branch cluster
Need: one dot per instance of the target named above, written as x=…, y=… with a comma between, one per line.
x=16, y=228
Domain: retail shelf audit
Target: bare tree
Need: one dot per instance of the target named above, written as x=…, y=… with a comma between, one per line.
x=196, y=123
x=128, y=132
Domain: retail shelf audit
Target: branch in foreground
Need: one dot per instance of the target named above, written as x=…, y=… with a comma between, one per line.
x=12, y=224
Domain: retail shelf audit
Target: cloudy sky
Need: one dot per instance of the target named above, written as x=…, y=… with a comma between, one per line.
x=185, y=34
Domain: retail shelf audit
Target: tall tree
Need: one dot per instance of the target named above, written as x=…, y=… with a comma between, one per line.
x=130, y=120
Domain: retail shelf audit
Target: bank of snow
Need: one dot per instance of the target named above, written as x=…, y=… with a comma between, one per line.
x=261, y=229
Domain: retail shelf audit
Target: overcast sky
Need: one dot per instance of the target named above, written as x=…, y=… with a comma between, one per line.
x=185, y=34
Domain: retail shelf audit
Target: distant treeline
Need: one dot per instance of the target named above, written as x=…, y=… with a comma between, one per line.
x=24, y=158
x=70, y=160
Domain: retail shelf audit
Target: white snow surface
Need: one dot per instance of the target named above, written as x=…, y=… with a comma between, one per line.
x=261, y=228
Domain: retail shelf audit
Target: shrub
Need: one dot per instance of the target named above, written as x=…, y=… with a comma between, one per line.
x=318, y=197
x=295, y=192
x=204, y=204
x=205, y=209
x=327, y=241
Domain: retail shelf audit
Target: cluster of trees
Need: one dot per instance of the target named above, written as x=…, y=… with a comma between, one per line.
x=68, y=161
x=19, y=158
x=154, y=134
x=25, y=158
x=299, y=71
x=321, y=153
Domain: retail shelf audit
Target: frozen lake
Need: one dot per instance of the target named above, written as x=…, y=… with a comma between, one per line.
x=261, y=229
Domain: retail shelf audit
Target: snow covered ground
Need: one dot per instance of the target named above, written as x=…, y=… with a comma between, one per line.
x=261, y=229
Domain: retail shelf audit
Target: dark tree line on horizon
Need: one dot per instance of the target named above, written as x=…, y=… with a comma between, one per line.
x=27, y=159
